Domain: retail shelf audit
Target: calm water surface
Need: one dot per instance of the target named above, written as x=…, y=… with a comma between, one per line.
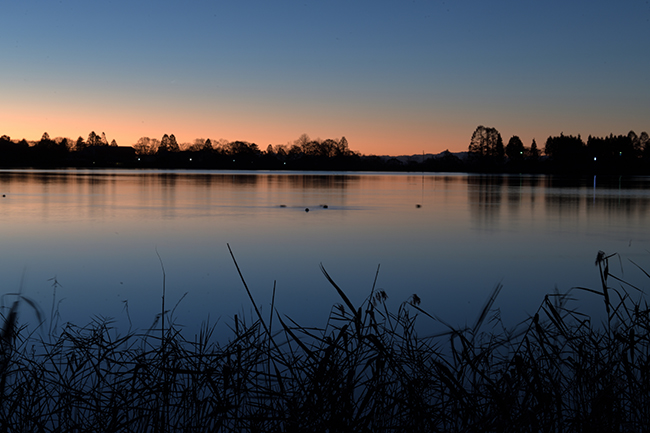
x=447, y=238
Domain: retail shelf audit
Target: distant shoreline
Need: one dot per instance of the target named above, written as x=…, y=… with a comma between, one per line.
x=563, y=155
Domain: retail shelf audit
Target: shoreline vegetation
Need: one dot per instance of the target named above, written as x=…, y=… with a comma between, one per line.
x=486, y=153
x=366, y=370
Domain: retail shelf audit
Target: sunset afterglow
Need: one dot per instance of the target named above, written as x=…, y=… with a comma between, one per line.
x=392, y=77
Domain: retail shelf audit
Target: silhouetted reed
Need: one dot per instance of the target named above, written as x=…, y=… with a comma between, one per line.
x=366, y=370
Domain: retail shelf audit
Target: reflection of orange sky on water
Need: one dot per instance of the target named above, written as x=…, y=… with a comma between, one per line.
x=51, y=196
x=487, y=197
x=98, y=228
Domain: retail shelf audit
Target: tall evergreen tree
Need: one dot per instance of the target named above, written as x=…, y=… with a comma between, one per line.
x=80, y=144
x=94, y=139
x=534, y=151
x=173, y=144
x=164, y=144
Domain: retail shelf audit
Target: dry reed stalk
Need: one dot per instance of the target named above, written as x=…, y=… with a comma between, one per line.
x=365, y=370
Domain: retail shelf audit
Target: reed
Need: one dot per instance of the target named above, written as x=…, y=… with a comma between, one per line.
x=366, y=370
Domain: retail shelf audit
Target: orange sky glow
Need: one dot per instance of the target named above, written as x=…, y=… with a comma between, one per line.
x=393, y=78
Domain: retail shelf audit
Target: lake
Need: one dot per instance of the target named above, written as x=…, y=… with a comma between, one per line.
x=105, y=237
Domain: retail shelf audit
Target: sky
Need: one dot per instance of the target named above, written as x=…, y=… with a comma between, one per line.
x=393, y=77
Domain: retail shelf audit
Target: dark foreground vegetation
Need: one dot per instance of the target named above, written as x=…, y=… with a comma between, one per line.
x=614, y=154
x=366, y=370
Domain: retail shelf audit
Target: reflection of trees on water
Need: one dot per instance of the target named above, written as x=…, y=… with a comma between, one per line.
x=564, y=197
x=318, y=181
x=62, y=187
x=269, y=188
x=336, y=186
x=621, y=202
x=299, y=181
x=514, y=191
x=602, y=194
x=484, y=194
x=101, y=191
x=168, y=183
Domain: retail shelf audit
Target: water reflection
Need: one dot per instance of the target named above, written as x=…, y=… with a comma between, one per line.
x=484, y=194
x=447, y=238
x=563, y=197
x=607, y=195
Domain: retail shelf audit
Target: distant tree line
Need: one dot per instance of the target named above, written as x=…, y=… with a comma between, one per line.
x=95, y=151
x=303, y=154
x=614, y=154
x=619, y=154
x=60, y=152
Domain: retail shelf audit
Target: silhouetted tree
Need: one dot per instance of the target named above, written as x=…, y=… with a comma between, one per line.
x=615, y=153
x=311, y=148
x=207, y=146
x=328, y=148
x=302, y=140
x=168, y=144
x=486, y=143
x=220, y=146
x=173, y=144
x=164, y=144
x=13, y=154
x=146, y=146
x=49, y=152
x=567, y=153
x=644, y=145
x=343, y=148
x=634, y=139
x=103, y=140
x=564, y=146
x=113, y=143
x=65, y=144
x=154, y=145
x=534, y=151
x=142, y=146
x=243, y=148
x=45, y=142
x=515, y=148
x=281, y=151
x=499, y=150
x=80, y=144
x=294, y=151
x=196, y=146
x=93, y=139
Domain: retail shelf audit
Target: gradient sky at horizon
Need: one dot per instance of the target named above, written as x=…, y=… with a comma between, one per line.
x=392, y=77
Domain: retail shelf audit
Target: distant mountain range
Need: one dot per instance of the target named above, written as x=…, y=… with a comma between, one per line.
x=405, y=159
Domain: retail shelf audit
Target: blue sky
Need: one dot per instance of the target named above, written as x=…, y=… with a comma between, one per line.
x=392, y=77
